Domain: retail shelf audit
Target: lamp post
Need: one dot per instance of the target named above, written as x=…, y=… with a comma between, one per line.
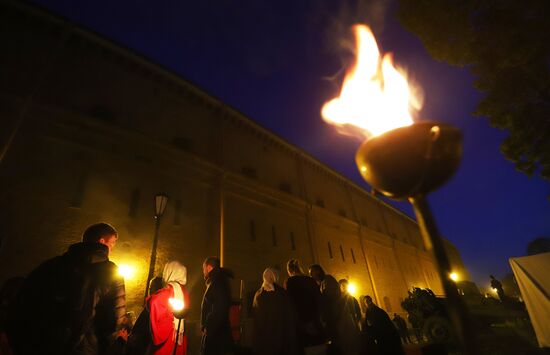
x=160, y=205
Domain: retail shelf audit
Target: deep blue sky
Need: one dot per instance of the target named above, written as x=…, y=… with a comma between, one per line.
x=272, y=59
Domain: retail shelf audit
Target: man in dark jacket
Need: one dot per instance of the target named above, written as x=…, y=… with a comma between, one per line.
x=352, y=306
x=382, y=328
x=215, y=326
x=74, y=303
x=331, y=306
x=305, y=298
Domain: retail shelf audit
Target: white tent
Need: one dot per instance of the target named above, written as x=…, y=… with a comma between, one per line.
x=533, y=277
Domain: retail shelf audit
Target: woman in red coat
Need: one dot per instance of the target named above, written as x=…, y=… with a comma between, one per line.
x=163, y=323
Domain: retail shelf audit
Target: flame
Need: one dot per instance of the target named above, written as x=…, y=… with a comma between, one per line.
x=375, y=96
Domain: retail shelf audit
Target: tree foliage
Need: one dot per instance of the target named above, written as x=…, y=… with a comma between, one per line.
x=506, y=45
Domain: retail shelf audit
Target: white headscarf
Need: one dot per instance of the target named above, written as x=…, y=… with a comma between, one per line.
x=175, y=274
x=270, y=276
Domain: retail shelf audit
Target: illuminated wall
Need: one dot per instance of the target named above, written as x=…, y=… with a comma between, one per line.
x=103, y=130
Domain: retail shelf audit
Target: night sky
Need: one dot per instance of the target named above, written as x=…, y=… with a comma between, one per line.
x=279, y=61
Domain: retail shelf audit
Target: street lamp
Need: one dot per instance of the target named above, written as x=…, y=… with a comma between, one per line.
x=352, y=289
x=453, y=276
x=160, y=205
x=127, y=271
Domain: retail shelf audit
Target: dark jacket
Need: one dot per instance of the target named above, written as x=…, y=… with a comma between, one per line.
x=352, y=306
x=331, y=305
x=274, y=329
x=382, y=329
x=305, y=298
x=339, y=319
x=140, y=341
x=215, y=313
x=71, y=304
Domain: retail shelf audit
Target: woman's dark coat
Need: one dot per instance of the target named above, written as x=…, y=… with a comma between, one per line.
x=274, y=329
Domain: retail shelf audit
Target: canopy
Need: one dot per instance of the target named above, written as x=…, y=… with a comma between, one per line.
x=533, y=277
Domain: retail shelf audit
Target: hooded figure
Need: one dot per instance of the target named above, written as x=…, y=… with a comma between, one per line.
x=274, y=329
x=163, y=323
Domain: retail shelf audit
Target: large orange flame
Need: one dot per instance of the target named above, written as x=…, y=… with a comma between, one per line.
x=375, y=96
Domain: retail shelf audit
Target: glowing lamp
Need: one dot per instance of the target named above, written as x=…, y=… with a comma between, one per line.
x=352, y=289
x=453, y=276
x=126, y=271
x=176, y=304
x=178, y=308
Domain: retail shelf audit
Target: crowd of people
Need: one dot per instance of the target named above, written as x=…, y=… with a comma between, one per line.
x=75, y=304
x=315, y=314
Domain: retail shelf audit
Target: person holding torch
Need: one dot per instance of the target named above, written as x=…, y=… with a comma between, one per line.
x=167, y=308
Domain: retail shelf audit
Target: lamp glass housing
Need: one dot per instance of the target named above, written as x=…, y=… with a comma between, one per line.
x=160, y=204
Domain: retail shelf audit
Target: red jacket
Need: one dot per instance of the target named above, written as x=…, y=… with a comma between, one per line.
x=162, y=322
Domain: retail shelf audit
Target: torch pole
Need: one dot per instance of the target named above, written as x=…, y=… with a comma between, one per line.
x=177, y=338
x=153, y=259
x=433, y=242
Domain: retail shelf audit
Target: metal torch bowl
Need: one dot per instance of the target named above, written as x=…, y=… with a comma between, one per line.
x=410, y=161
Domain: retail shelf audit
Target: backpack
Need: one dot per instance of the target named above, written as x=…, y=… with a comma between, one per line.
x=54, y=308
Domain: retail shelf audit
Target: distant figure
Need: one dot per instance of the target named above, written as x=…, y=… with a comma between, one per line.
x=74, y=303
x=401, y=325
x=140, y=341
x=495, y=284
x=162, y=321
x=383, y=330
x=215, y=325
x=274, y=329
x=305, y=298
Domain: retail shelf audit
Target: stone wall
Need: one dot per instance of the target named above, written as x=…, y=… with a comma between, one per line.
x=101, y=131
